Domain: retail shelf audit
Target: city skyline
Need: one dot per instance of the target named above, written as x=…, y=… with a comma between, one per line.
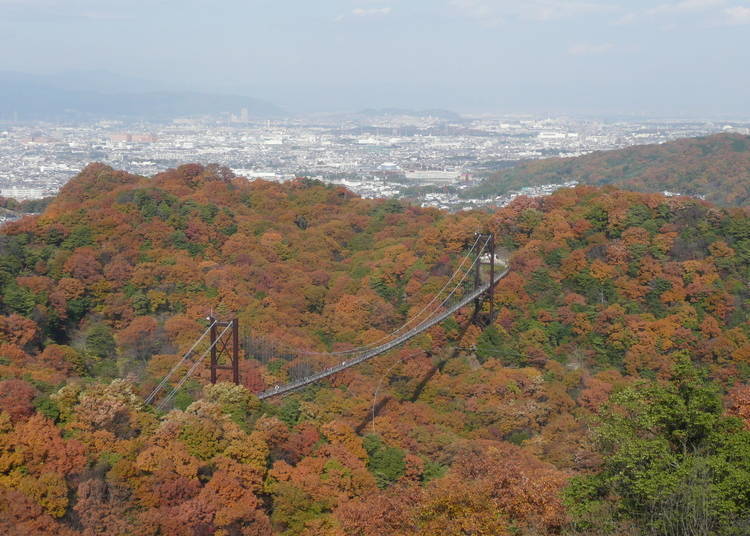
x=374, y=156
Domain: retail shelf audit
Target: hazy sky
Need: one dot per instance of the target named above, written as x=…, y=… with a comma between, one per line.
x=608, y=56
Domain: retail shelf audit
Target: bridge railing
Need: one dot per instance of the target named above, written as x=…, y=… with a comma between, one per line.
x=298, y=384
x=461, y=294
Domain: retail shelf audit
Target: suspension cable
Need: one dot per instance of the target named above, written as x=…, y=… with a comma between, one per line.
x=410, y=320
x=364, y=349
x=372, y=353
x=189, y=373
x=164, y=380
x=419, y=327
x=459, y=283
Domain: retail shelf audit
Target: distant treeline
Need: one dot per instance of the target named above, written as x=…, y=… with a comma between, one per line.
x=26, y=206
x=715, y=167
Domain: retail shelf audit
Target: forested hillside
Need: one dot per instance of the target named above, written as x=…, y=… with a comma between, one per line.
x=609, y=395
x=715, y=167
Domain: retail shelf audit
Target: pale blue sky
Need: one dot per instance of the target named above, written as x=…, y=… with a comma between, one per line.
x=543, y=56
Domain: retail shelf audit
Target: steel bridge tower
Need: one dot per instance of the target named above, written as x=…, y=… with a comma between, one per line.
x=227, y=346
x=490, y=294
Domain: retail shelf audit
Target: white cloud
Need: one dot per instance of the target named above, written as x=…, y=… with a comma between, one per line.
x=627, y=18
x=102, y=15
x=737, y=15
x=363, y=12
x=590, y=49
x=704, y=12
x=714, y=12
x=371, y=12
x=493, y=12
x=687, y=6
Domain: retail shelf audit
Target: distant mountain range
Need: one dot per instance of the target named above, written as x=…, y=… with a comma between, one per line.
x=100, y=94
x=715, y=167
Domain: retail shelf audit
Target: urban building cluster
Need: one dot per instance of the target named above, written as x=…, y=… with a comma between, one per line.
x=374, y=154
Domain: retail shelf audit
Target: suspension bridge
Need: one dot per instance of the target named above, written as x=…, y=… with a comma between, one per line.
x=473, y=281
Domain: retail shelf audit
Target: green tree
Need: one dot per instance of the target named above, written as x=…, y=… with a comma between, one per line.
x=672, y=462
x=99, y=341
x=490, y=344
x=387, y=464
x=19, y=299
x=234, y=400
x=290, y=411
x=80, y=236
x=494, y=343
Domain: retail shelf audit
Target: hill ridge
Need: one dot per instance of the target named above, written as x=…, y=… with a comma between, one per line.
x=715, y=167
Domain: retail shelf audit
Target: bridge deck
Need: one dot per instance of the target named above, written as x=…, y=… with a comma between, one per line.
x=369, y=354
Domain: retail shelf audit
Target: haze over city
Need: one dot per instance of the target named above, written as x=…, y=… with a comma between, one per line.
x=685, y=58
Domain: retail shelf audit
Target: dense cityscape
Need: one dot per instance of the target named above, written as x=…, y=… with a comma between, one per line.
x=374, y=153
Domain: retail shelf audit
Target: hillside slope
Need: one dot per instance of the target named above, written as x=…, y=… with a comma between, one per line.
x=619, y=303
x=716, y=168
